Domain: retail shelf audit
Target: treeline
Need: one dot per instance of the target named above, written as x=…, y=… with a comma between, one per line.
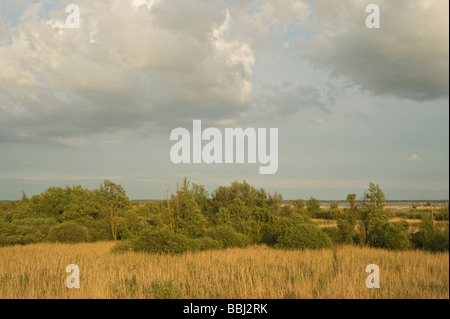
x=192, y=219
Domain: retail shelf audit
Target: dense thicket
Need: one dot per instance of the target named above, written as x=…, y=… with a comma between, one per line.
x=192, y=219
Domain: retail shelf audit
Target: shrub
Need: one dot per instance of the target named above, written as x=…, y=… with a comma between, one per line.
x=384, y=234
x=99, y=229
x=271, y=232
x=403, y=225
x=68, y=232
x=121, y=246
x=346, y=231
x=268, y=235
x=303, y=236
x=396, y=238
x=438, y=242
x=160, y=240
x=442, y=214
x=165, y=289
x=417, y=239
x=205, y=243
x=228, y=237
x=333, y=233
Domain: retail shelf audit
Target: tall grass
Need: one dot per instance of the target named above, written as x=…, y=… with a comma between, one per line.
x=38, y=271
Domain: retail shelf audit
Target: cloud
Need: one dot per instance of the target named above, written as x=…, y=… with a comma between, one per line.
x=132, y=65
x=407, y=57
x=319, y=120
x=144, y=66
x=362, y=124
x=113, y=142
x=276, y=102
x=414, y=157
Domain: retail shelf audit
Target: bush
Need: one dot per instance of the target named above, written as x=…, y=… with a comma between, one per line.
x=121, y=246
x=403, y=225
x=303, y=236
x=228, y=237
x=442, y=214
x=346, y=231
x=160, y=240
x=165, y=289
x=438, y=242
x=99, y=230
x=383, y=234
x=205, y=243
x=271, y=232
x=68, y=232
x=417, y=239
x=333, y=233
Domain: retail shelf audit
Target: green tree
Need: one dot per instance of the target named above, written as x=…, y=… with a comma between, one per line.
x=114, y=203
x=351, y=199
x=313, y=206
x=303, y=236
x=384, y=234
x=68, y=232
x=376, y=197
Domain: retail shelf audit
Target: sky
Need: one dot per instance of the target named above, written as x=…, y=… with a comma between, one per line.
x=352, y=105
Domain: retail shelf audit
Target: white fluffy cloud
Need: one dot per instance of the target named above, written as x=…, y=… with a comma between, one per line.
x=414, y=157
x=131, y=62
x=142, y=64
x=407, y=57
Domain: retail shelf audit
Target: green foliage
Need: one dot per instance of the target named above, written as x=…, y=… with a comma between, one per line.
x=313, y=206
x=121, y=246
x=99, y=229
x=228, y=237
x=114, y=203
x=165, y=289
x=384, y=234
x=303, y=236
x=403, y=225
x=191, y=219
x=299, y=206
x=376, y=197
x=429, y=236
x=161, y=240
x=333, y=233
x=68, y=232
x=351, y=198
x=130, y=225
x=346, y=231
x=205, y=243
x=442, y=214
x=271, y=232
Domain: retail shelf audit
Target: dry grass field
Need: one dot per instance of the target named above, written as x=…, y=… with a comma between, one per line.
x=38, y=271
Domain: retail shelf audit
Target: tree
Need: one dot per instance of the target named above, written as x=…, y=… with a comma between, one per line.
x=334, y=205
x=345, y=231
x=299, y=205
x=376, y=197
x=384, y=234
x=114, y=203
x=68, y=232
x=303, y=236
x=371, y=210
x=351, y=198
x=313, y=206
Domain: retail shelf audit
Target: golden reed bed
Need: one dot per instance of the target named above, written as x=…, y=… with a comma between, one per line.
x=38, y=271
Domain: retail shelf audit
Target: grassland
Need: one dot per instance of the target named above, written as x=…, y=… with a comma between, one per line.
x=38, y=271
